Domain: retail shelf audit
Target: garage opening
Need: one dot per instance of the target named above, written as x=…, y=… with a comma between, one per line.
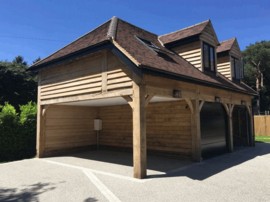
x=241, y=127
x=70, y=129
x=213, y=129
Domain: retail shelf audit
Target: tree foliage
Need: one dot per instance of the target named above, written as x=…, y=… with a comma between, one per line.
x=257, y=70
x=17, y=132
x=17, y=85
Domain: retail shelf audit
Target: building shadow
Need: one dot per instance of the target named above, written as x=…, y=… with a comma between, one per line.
x=175, y=167
x=215, y=165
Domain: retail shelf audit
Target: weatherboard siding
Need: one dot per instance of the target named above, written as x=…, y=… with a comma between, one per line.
x=224, y=66
x=191, y=52
x=208, y=36
x=69, y=127
x=168, y=127
x=94, y=74
x=235, y=51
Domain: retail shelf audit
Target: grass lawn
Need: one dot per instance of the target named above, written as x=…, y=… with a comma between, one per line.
x=265, y=139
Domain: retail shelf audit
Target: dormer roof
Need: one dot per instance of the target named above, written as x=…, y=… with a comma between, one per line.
x=188, y=32
x=230, y=45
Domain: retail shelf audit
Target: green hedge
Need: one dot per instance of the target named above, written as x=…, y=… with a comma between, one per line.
x=17, y=132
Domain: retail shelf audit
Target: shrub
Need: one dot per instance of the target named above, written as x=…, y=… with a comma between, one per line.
x=17, y=132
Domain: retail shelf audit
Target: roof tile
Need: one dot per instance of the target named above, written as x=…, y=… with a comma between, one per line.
x=225, y=45
x=184, y=33
x=158, y=59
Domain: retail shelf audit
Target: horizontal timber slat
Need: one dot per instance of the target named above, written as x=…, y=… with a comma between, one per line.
x=78, y=92
x=72, y=88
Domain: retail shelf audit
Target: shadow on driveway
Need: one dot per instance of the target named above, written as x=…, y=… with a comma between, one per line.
x=29, y=193
x=171, y=167
x=210, y=167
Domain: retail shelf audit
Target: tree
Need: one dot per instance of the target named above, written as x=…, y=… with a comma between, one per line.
x=257, y=71
x=19, y=60
x=17, y=85
x=36, y=60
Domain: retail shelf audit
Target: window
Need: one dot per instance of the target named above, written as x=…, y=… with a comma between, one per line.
x=149, y=44
x=237, y=68
x=209, y=58
x=160, y=53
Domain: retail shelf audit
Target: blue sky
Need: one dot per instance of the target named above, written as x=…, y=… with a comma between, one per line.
x=37, y=28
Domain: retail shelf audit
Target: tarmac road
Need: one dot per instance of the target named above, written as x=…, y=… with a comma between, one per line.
x=243, y=175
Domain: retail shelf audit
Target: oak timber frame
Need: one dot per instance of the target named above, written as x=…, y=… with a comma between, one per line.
x=142, y=89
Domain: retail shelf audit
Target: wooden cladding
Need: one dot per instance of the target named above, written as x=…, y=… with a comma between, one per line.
x=168, y=127
x=95, y=74
x=208, y=36
x=118, y=79
x=116, y=126
x=224, y=66
x=191, y=52
x=68, y=127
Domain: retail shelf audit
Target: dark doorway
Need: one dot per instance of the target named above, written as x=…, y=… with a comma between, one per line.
x=213, y=129
x=241, y=127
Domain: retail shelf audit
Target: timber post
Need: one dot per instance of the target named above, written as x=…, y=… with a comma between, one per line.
x=196, y=130
x=41, y=114
x=139, y=132
x=230, y=125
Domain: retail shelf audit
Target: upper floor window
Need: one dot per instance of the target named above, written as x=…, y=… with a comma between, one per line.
x=209, y=58
x=237, y=68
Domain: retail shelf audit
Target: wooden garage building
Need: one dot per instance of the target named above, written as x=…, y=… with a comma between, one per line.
x=152, y=93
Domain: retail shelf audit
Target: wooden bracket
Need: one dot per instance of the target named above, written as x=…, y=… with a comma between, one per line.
x=249, y=110
x=226, y=107
x=191, y=107
x=201, y=102
x=188, y=101
x=230, y=107
x=148, y=99
x=44, y=110
x=129, y=100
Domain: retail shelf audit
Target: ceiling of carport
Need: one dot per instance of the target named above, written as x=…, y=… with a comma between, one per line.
x=113, y=101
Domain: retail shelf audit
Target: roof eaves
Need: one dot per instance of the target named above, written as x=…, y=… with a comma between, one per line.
x=197, y=24
x=189, y=79
x=186, y=40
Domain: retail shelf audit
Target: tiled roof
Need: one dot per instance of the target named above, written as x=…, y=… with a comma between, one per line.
x=226, y=45
x=91, y=38
x=184, y=33
x=128, y=37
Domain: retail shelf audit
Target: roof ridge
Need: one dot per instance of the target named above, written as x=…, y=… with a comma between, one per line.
x=112, y=28
x=185, y=28
x=137, y=26
x=70, y=43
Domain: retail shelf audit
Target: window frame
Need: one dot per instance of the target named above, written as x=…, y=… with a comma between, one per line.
x=237, y=74
x=212, y=63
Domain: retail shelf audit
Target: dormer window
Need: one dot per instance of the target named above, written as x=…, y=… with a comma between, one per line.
x=209, y=59
x=237, y=69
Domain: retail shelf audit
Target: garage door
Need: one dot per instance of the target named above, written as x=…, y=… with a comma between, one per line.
x=213, y=129
x=241, y=127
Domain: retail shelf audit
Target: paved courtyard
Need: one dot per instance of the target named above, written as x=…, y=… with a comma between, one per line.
x=107, y=176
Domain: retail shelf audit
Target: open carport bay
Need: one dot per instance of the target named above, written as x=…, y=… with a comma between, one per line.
x=239, y=176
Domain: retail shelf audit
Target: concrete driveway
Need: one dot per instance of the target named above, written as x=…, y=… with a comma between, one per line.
x=240, y=176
